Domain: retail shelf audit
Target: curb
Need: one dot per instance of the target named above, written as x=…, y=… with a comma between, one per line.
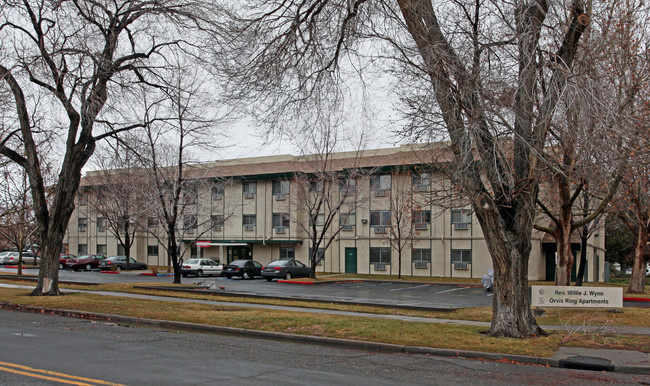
x=308, y=339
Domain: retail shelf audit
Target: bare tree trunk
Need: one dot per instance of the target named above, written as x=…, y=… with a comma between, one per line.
x=584, y=235
x=637, y=280
x=509, y=246
x=172, y=248
x=564, y=256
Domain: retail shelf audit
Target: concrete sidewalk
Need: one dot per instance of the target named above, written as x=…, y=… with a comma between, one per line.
x=578, y=358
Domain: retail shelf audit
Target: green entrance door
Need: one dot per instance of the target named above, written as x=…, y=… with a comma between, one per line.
x=350, y=260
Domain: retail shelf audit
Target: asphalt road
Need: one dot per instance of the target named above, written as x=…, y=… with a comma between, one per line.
x=44, y=349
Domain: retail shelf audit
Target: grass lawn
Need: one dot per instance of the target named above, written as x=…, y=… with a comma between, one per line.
x=438, y=335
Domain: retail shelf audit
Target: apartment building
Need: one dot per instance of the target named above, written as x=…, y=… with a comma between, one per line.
x=255, y=208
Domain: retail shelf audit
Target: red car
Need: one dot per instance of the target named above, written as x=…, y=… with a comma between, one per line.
x=63, y=258
x=86, y=262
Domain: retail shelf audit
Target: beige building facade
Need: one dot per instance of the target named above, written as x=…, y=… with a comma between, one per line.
x=251, y=208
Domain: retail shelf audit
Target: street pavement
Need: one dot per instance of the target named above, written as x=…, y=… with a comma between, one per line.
x=49, y=349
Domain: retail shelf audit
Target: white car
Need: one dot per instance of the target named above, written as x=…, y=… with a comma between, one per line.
x=201, y=267
x=11, y=258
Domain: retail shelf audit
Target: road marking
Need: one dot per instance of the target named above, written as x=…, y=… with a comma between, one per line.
x=417, y=286
x=450, y=290
x=52, y=375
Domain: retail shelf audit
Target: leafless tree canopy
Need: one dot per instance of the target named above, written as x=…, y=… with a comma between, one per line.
x=67, y=65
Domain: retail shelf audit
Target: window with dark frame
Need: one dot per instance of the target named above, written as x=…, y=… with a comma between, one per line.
x=421, y=255
x=83, y=224
x=280, y=220
x=82, y=249
x=315, y=186
x=101, y=224
x=461, y=216
x=249, y=220
x=287, y=253
x=461, y=256
x=320, y=255
x=249, y=188
x=280, y=187
x=422, y=217
x=152, y=250
x=379, y=218
x=216, y=221
x=190, y=223
x=101, y=249
x=218, y=190
x=380, y=182
x=379, y=255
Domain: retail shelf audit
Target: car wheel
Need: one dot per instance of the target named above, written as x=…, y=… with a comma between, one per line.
x=199, y=273
x=118, y=268
x=89, y=267
x=287, y=275
x=269, y=279
x=245, y=275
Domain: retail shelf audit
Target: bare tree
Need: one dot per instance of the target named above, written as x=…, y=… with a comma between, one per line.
x=78, y=55
x=115, y=196
x=185, y=116
x=492, y=75
x=18, y=224
x=406, y=215
x=326, y=189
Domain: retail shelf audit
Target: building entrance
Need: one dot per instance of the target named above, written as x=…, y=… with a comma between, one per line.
x=239, y=253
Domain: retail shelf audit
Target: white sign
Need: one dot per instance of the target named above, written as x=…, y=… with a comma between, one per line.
x=581, y=297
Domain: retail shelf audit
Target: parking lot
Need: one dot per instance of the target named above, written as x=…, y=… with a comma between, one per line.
x=406, y=294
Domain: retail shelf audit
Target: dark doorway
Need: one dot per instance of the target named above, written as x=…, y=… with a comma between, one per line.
x=239, y=253
x=350, y=260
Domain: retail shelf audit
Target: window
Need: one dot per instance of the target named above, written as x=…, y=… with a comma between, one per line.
x=381, y=182
x=315, y=186
x=190, y=223
x=287, y=253
x=379, y=255
x=461, y=256
x=347, y=220
x=421, y=255
x=218, y=190
x=152, y=223
x=379, y=218
x=101, y=249
x=461, y=218
x=83, y=224
x=120, y=250
x=421, y=218
x=320, y=255
x=281, y=187
x=152, y=250
x=249, y=219
x=190, y=193
x=216, y=221
x=101, y=224
x=320, y=220
x=82, y=249
x=122, y=223
x=348, y=186
x=421, y=181
x=249, y=188
x=280, y=220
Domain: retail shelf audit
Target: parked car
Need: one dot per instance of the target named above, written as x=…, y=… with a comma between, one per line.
x=64, y=257
x=246, y=269
x=85, y=262
x=200, y=267
x=11, y=258
x=285, y=269
x=119, y=262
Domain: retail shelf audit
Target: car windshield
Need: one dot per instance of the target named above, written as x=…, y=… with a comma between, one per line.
x=83, y=257
x=278, y=263
x=192, y=261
